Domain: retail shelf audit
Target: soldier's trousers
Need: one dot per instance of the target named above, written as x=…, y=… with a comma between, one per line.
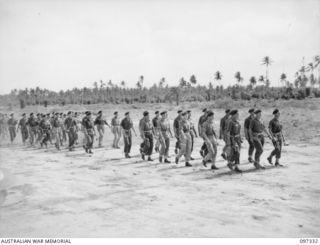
x=147, y=145
x=185, y=147
x=89, y=139
x=178, y=144
x=33, y=135
x=251, y=148
x=235, y=152
x=277, y=148
x=24, y=134
x=164, y=146
x=45, y=137
x=212, y=150
x=56, y=133
x=12, y=132
x=100, y=129
x=258, y=142
x=127, y=138
x=116, y=130
x=192, y=142
x=72, y=137
x=227, y=147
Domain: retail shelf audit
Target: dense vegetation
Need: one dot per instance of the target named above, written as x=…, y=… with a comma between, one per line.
x=304, y=85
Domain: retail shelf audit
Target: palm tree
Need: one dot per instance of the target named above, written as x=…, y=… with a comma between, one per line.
x=283, y=78
x=261, y=79
x=162, y=82
x=238, y=77
x=253, y=81
x=123, y=84
x=193, y=80
x=182, y=82
x=217, y=76
x=267, y=62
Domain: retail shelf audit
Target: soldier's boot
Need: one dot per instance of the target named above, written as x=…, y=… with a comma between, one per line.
x=166, y=160
x=258, y=166
x=191, y=158
x=177, y=160
x=270, y=160
x=213, y=166
x=90, y=151
x=176, y=151
x=230, y=165
x=204, y=163
x=250, y=159
x=201, y=153
x=188, y=164
x=277, y=164
x=160, y=159
x=237, y=169
x=156, y=148
x=150, y=159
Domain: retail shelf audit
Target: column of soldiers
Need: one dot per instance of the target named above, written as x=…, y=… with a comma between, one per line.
x=57, y=128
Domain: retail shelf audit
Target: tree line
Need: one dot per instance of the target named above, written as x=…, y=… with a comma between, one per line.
x=305, y=84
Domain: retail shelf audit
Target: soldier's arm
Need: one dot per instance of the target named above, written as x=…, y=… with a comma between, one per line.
x=250, y=131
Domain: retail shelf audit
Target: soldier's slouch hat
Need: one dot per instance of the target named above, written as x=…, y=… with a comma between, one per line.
x=115, y=113
x=99, y=112
x=257, y=111
x=179, y=111
x=164, y=112
x=227, y=111
x=157, y=112
x=127, y=113
x=233, y=112
x=204, y=110
x=251, y=110
x=210, y=113
x=145, y=113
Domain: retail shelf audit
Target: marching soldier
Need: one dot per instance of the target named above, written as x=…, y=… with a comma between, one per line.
x=247, y=122
x=33, y=128
x=235, y=140
x=12, y=123
x=45, y=127
x=38, y=134
x=70, y=126
x=275, y=129
x=23, y=128
x=176, y=130
x=127, y=126
x=223, y=135
x=184, y=140
x=100, y=122
x=202, y=119
x=56, y=130
x=256, y=130
x=193, y=132
x=116, y=130
x=209, y=135
x=164, y=137
x=156, y=127
x=63, y=132
x=146, y=133
x=89, y=132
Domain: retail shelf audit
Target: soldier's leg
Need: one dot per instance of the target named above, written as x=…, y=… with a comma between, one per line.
x=209, y=155
x=278, y=153
x=250, y=150
x=182, y=151
x=126, y=144
x=150, y=149
x=188, y=149
x=259, y=149
x=129, y=143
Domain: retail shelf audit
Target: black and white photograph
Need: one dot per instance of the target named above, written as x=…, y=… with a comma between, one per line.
x=159, y=119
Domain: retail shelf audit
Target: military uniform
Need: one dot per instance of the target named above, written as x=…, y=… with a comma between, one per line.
x=211, y=143
x=164, y=138
x=146, y=129
x=193, y=133
x=127, y=125
x=235, y=142
x=185, y=140
x=275, y=128
x=56, y=131
x=45, y=127
x=247, y=122
x=88, y=128
x=70, y=125
x=23, y=129
x=256, y=128
x=12, y=123
x=156, y=126
x=176, y=130
x=116, y=130
x=100, y=122
x=33, y=128
x=204, y=149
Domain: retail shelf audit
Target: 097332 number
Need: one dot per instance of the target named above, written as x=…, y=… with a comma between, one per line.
x=309, y=240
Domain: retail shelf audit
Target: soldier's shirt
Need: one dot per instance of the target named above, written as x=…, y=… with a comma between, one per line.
x=87, y=123
x=247, y=122
x=99, y=121
x=126, y=124
x=275, y=126
x=23, y=123
x=226, y=127
x=115, y=122
x=156, y=122
x=234, y=128
x=256, y=126
x=45, y=124
x=56, y=123
x=164, y=127
x=12, y=122
x=223, y=125
x=70, y=123
x=202, y=119
x=145, y=126
x=176, y=124
x=185, y=126
x=208, y=129
x=192, y=129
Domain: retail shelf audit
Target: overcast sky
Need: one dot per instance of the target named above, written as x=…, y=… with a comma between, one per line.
x=61, y=44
